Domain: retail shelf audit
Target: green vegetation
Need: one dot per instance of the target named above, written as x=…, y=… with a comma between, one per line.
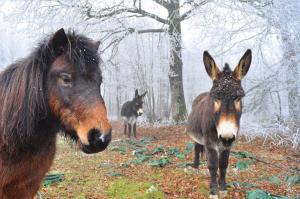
x=122, y=189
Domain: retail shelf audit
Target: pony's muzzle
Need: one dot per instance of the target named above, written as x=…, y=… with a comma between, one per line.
x=97, y=141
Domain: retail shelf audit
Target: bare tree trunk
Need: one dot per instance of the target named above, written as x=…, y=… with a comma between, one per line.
x=118, y=96
x=178, y=107
x=153, y=105
x=289, y=59
x=118, y=101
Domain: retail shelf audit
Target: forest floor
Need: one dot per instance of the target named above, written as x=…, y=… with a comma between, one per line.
x=157, y=165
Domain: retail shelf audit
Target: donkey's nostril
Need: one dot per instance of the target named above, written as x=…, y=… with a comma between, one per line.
x=227, y=141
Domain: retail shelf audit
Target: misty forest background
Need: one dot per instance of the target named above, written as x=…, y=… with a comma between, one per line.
x=157, y=46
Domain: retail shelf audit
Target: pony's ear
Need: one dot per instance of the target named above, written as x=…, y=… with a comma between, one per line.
x=59, y=41
x=97, y=44
x=136, y=93
x=143, y=95
x=242, y=68
x=211, y=68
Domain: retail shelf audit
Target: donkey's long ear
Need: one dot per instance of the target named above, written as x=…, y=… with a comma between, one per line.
x=59, y=41
x=211, y=68
x=143, y=95
x=97, y=44
x=242, y=68
x=136, y=93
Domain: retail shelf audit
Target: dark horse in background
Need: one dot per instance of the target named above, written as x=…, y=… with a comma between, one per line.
x=55, y=89
x=130, y=111
x=215, y=118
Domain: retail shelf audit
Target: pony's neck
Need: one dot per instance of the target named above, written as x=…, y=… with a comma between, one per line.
x=42, y=139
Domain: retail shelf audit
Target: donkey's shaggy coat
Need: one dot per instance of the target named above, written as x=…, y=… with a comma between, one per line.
x=215, y=118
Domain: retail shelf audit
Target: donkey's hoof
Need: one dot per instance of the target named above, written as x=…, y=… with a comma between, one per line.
x=195, y=166
x=222, y=194
x=213, y=197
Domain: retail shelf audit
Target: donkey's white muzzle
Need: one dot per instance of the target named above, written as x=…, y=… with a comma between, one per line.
x=140, y=111
x=227, y=129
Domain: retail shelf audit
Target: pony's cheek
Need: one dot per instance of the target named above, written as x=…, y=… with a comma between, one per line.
x=55, y=105
x=63, y=113
x=64, y=96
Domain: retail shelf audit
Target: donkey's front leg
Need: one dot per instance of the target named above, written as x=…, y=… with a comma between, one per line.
x=212, y=163
x=198, y=149
x=129, y=130
x=125, y=128
x=223, y=164
x=134, y=130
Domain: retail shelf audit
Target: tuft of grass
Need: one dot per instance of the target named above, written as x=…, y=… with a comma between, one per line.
x=204, y=190
x=122, y=189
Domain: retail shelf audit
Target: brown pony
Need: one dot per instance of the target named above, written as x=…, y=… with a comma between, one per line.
x=215, y=118
x=55, y=89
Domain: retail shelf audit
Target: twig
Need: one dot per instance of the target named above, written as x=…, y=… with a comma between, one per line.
x=296, y=170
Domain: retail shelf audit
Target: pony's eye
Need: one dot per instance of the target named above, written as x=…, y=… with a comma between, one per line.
x=66, y=79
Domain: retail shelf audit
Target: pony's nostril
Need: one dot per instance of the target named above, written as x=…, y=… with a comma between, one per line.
x=97, y=136
x=98, y=141
x=107, y=137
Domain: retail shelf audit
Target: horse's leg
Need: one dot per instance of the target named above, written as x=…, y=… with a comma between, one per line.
x=212, y=163
x=223, y=164
x=202, y=152
x=125, y=128
x=134, y=130
x=197, y=148
x=129, y=130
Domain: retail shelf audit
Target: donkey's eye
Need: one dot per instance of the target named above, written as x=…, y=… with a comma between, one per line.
x=217, y=105
x=65, y=79
x=237, y=99
x=237, y=104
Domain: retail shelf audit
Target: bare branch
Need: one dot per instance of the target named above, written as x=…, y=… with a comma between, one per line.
x=195, y=6
x=160, y=30
x=163, y=3
x=141, y=12
x=259, y=7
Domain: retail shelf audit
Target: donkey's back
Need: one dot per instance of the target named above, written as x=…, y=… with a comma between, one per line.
x=200, y=99
x=197, y=119
x=126, y=110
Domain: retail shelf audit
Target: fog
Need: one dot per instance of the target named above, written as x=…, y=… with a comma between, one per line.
x=133, y=59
